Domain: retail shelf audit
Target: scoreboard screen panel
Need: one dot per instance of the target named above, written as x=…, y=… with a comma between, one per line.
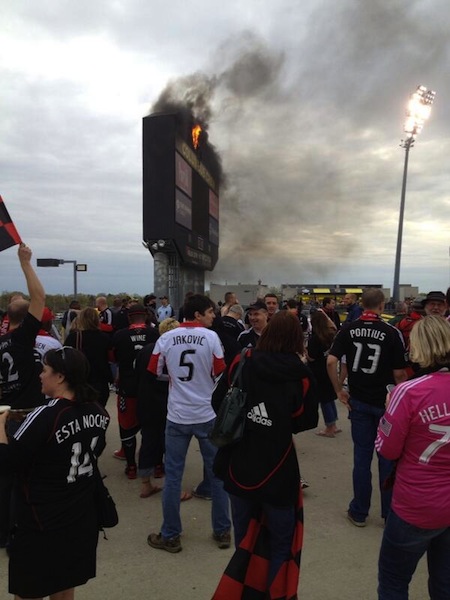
x=180, y=192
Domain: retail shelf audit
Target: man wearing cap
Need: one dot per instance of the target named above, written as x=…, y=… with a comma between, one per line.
x=165, y=311
x=127, y=343
x=258, y=316
x=44, y=339
x=435, y=303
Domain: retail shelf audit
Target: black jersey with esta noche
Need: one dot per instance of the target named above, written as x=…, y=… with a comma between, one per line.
x=373, y=350
x=19, y=367
x=52, y=454
x=127, y=343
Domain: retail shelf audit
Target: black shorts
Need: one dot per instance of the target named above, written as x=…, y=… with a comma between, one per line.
x=45, y=562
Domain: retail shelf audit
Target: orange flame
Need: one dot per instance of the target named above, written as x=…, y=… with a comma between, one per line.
x=196, y=131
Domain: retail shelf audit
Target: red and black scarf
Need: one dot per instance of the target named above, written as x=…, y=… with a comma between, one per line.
x=246, y=575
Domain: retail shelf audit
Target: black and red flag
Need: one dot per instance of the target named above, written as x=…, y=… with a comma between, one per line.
x=8, y=232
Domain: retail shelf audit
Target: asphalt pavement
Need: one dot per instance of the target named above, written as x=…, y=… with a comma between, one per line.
x=339, y=560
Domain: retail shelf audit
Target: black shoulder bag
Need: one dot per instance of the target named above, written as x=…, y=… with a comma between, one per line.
x=105, y=506
x=229, y=425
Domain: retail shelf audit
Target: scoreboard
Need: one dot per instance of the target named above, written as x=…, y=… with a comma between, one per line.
x=181, y=176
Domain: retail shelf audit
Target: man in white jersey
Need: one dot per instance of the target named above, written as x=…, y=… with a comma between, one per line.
x=193, y=356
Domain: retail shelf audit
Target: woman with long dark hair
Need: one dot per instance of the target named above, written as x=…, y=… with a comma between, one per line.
x=261, y=471
x=54, y=454
x=322, y=336
x=415, y=431
x=95, y=345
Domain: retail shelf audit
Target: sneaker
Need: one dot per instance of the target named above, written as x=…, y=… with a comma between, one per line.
x=119, y=454
x=356, y=523
x=223, y=540
x=303, y=483
x=156, y=540
x=198, y=495
x=131, y=472
x=159, y=472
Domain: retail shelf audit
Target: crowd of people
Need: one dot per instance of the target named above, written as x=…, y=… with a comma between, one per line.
x=170, y=377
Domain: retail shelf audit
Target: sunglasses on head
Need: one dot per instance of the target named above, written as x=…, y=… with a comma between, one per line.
x=62, y=350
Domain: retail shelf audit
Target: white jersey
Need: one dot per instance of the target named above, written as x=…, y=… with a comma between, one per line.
x=44, y=343
x=193, y=356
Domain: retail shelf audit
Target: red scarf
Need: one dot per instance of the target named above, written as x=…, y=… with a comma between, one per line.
x=368, y=315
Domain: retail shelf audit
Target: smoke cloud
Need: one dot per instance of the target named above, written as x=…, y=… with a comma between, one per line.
x=294, y=203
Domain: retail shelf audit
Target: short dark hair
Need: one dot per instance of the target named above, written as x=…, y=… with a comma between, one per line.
x=228, y=296
x=283, y=334
x=196, y=303
x=271, y=295
x=291, y=303
x=327, y=300
x=372, y=298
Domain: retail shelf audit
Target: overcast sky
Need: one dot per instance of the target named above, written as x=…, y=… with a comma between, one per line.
x=307, y=110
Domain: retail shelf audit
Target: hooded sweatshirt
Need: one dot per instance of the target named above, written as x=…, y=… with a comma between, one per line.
x=280, y=401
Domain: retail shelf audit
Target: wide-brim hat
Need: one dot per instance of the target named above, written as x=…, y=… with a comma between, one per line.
x=434, y=297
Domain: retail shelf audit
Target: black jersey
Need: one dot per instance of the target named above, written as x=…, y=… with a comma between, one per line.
x=52, y=452
x=20, y=367
x=127, y=343
x=248, y=339
x=373, y=349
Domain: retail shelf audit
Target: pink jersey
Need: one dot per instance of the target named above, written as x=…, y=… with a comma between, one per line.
x=193, y=356
x=416, y=430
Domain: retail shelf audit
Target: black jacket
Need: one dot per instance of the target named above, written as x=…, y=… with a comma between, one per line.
x=280, y=401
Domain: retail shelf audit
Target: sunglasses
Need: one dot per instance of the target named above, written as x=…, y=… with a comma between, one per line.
x=63, y=351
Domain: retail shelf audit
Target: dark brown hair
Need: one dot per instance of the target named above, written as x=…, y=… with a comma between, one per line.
x=74, y=366
x=323, y=327
x=283, y=333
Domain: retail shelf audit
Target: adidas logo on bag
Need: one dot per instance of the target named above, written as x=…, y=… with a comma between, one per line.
x=258, y=414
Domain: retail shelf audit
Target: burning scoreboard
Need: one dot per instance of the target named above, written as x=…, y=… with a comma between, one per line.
x=180, y=190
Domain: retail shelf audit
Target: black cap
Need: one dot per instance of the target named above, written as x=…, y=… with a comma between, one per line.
x=258, y=305
x=434, y=297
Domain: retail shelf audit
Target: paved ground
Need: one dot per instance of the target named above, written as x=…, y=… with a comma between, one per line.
x=339, y=560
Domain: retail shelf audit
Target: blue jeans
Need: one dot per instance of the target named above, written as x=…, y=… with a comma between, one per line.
x=402, y=547
x=178, y=437
x=364, y=423
x=329, y=412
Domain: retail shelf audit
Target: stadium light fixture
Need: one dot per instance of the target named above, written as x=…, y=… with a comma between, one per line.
x=417, y=112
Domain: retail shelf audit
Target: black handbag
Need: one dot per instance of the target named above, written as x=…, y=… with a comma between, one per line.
x=107, y=515
x=230, y=420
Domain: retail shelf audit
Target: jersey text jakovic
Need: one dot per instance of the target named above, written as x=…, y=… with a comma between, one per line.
x=74, y=426
x=370, y=333
x=188, y=339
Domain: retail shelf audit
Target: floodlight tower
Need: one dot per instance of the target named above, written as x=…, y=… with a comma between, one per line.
x=417, y=112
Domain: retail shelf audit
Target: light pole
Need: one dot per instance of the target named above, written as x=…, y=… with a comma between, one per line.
x=417, y=112
x=55, y=262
